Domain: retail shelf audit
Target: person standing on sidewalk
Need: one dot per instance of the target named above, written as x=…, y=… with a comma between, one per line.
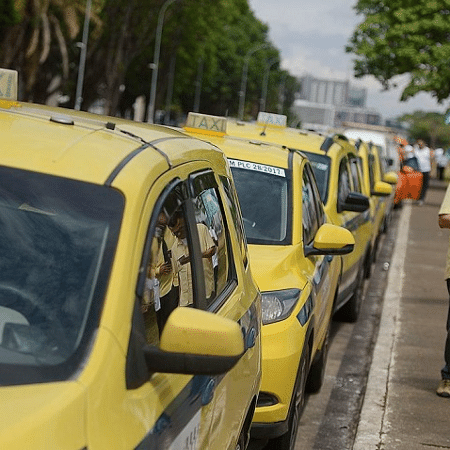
x=443, y=389
x=424, y=156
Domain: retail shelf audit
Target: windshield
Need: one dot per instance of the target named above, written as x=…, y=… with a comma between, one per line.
x=321, y=168
x=57, y=239
x=263, y=196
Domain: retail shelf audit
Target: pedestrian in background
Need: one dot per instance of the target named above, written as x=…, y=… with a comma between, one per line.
x=441, y=162
x=443, y=389
x=424, y=156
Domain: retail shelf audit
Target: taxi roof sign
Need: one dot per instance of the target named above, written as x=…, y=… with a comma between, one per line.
x=206, y=124
x=271, y=119
x=8, y=84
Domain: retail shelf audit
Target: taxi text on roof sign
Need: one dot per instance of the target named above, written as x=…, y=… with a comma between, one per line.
x=274, y=120
x=203, y=123
x=8, y=84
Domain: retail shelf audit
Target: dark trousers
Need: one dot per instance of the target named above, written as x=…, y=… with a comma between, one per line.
x=445, y=372
x=168, y=303
x=425, y=182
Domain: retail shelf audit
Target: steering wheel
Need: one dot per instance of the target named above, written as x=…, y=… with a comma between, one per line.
x=35, y=312
x=10, y=294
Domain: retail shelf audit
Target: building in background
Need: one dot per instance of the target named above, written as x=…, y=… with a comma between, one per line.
x=323, y=104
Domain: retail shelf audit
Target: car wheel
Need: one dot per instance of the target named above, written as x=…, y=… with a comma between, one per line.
x=350, y=311
x=317, y=371
x=287, y=440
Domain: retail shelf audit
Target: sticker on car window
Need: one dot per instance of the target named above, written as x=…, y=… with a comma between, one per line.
x=188, y=439
x=247, y=165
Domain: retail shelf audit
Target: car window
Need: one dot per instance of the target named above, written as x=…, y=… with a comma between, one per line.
x=344, y=186
x=372, y=163
x=356, y=171
x=233, y=205
x=264, y=198
x=178, y=234
x=321, y=168
x=219, y=271
x=57, y=241
x=309, y=213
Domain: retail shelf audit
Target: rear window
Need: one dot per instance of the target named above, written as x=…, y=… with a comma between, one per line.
x=263, y=193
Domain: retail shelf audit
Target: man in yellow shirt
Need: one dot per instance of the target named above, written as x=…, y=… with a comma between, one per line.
x=163, y=271
x=443, y=389
x=181, y=258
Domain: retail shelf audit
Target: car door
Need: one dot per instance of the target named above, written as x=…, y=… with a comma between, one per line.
x=313, y=217
x=189, y=412
x=349, y=220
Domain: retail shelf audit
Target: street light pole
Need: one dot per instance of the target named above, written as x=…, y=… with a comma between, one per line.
x=270, y=63
x=244, y=79
x=151, y=104
x=83, y=45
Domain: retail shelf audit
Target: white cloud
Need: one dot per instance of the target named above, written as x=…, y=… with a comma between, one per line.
x=311, y=36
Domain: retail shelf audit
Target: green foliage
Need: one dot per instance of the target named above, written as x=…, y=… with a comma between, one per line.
x=400, y=37
x=429, y=126
x=204, y=44
x=8, y=14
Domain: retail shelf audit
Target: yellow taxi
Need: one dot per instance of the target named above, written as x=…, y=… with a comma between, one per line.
x=292, y=250
x=107, y=226
x=376, y=190
x=381, y=173
x=338, y=174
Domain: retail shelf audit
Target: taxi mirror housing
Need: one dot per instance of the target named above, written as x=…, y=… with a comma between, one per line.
x=390, y=177
x=196, y=342
x=354, y=202
x=331, y=240
x=382, y=189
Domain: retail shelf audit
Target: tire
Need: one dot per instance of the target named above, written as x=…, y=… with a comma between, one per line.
x=287, y=440
x=316, y=374
x=350, y=311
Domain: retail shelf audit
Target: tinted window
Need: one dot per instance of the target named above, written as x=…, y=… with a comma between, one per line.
x=264, y=197
x=57, y=242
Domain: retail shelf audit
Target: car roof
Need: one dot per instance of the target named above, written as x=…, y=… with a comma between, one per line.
x=290, y=137
x=84, y=146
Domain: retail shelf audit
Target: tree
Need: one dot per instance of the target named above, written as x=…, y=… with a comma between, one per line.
x=429, y=126
x=38, y=43
x=399, y=37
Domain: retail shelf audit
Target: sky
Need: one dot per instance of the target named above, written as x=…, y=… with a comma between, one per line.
x=311, y=36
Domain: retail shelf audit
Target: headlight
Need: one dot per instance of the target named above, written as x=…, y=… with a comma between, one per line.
x=277, y=305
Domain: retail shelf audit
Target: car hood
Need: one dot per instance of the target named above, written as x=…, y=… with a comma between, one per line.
x=42, y=416
x=278, y=267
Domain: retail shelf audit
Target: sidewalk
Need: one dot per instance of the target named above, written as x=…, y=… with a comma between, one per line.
x=401, y=410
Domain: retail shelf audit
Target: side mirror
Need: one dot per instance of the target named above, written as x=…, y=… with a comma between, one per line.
x=382, y=189
x=390, y=177
x=196, y=342
x=354, y=202
x=331, y=240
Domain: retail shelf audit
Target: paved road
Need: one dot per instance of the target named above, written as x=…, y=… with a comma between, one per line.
x=382, y=372
x=330, y=417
